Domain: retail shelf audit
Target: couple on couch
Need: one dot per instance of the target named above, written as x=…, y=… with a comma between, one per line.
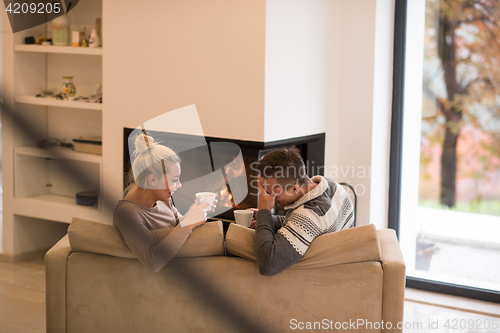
x=313, y=206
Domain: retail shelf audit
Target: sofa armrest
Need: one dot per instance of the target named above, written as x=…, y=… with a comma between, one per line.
x=55, y=284
x=394, y=279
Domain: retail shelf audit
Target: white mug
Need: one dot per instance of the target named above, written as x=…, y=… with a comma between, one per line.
x=202, y=197
x=243, y=217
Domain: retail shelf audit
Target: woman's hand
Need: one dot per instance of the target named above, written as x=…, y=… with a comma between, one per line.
x=254, y=217
x=214, y=206
x=196, y=215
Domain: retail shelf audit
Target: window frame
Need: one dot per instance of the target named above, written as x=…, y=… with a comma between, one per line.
x=395, y=164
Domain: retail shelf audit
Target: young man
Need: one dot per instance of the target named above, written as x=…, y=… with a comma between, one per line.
x=313, y=206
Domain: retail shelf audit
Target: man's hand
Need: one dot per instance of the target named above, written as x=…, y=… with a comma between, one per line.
x=266, y=200
x=254, y=217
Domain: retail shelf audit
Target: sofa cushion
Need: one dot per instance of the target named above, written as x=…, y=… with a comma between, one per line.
x=347, y=246
x=94, y=237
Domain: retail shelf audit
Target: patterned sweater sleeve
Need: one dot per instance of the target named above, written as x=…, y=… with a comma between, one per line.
x=153, y=248
x=274, y=253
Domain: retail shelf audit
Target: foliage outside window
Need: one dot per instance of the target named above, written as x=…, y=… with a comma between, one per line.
x=460, y=143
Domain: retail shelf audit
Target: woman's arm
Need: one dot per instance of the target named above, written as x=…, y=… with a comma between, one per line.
x=153, y=249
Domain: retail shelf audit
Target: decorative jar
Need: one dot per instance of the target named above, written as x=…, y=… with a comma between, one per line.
x=68, y=88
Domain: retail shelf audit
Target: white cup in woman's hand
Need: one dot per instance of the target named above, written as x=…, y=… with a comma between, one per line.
x=209, y=197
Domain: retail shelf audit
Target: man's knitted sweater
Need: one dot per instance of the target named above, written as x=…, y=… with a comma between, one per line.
x=280, y=241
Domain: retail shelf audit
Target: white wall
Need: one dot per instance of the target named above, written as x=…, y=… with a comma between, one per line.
x=329, y=69
x=381, y=115
x=207, y=53
x=300, y=76
x=357, y=50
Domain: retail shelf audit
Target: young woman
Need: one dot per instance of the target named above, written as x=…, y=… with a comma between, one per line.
x=146, y=215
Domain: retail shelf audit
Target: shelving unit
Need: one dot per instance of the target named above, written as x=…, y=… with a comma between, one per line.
x=40, y=185
x=53, y=208
x=47, y=180
x=52, y=101
x=57, y=49
x=58, y=152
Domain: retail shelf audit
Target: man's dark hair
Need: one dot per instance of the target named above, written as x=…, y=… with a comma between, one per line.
x=286, y=165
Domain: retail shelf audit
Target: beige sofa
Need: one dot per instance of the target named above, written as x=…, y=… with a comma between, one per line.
x=352, y=280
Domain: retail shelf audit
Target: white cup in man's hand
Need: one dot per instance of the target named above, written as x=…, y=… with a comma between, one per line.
x=243, y=217
x=202, y=197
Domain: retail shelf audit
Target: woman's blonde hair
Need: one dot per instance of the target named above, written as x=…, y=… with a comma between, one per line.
x=149, y=157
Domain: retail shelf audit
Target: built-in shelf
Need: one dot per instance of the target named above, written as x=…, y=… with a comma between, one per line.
x=44, y=182
x=54, y=208
x=58, y=153
x=58, y=49
x=52, y=101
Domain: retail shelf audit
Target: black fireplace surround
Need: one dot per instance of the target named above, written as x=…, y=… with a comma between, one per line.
x=226, y=157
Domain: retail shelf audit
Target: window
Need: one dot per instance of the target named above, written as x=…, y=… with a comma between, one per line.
x=445, y=145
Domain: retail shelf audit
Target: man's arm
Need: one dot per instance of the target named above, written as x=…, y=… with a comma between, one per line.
x=278, y=222
x=273, y=251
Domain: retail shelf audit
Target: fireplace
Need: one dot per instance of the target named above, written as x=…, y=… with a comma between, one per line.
x=225, y=166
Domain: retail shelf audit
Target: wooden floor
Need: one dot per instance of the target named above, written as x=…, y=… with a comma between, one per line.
x=22, y=303
x=22, y=297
